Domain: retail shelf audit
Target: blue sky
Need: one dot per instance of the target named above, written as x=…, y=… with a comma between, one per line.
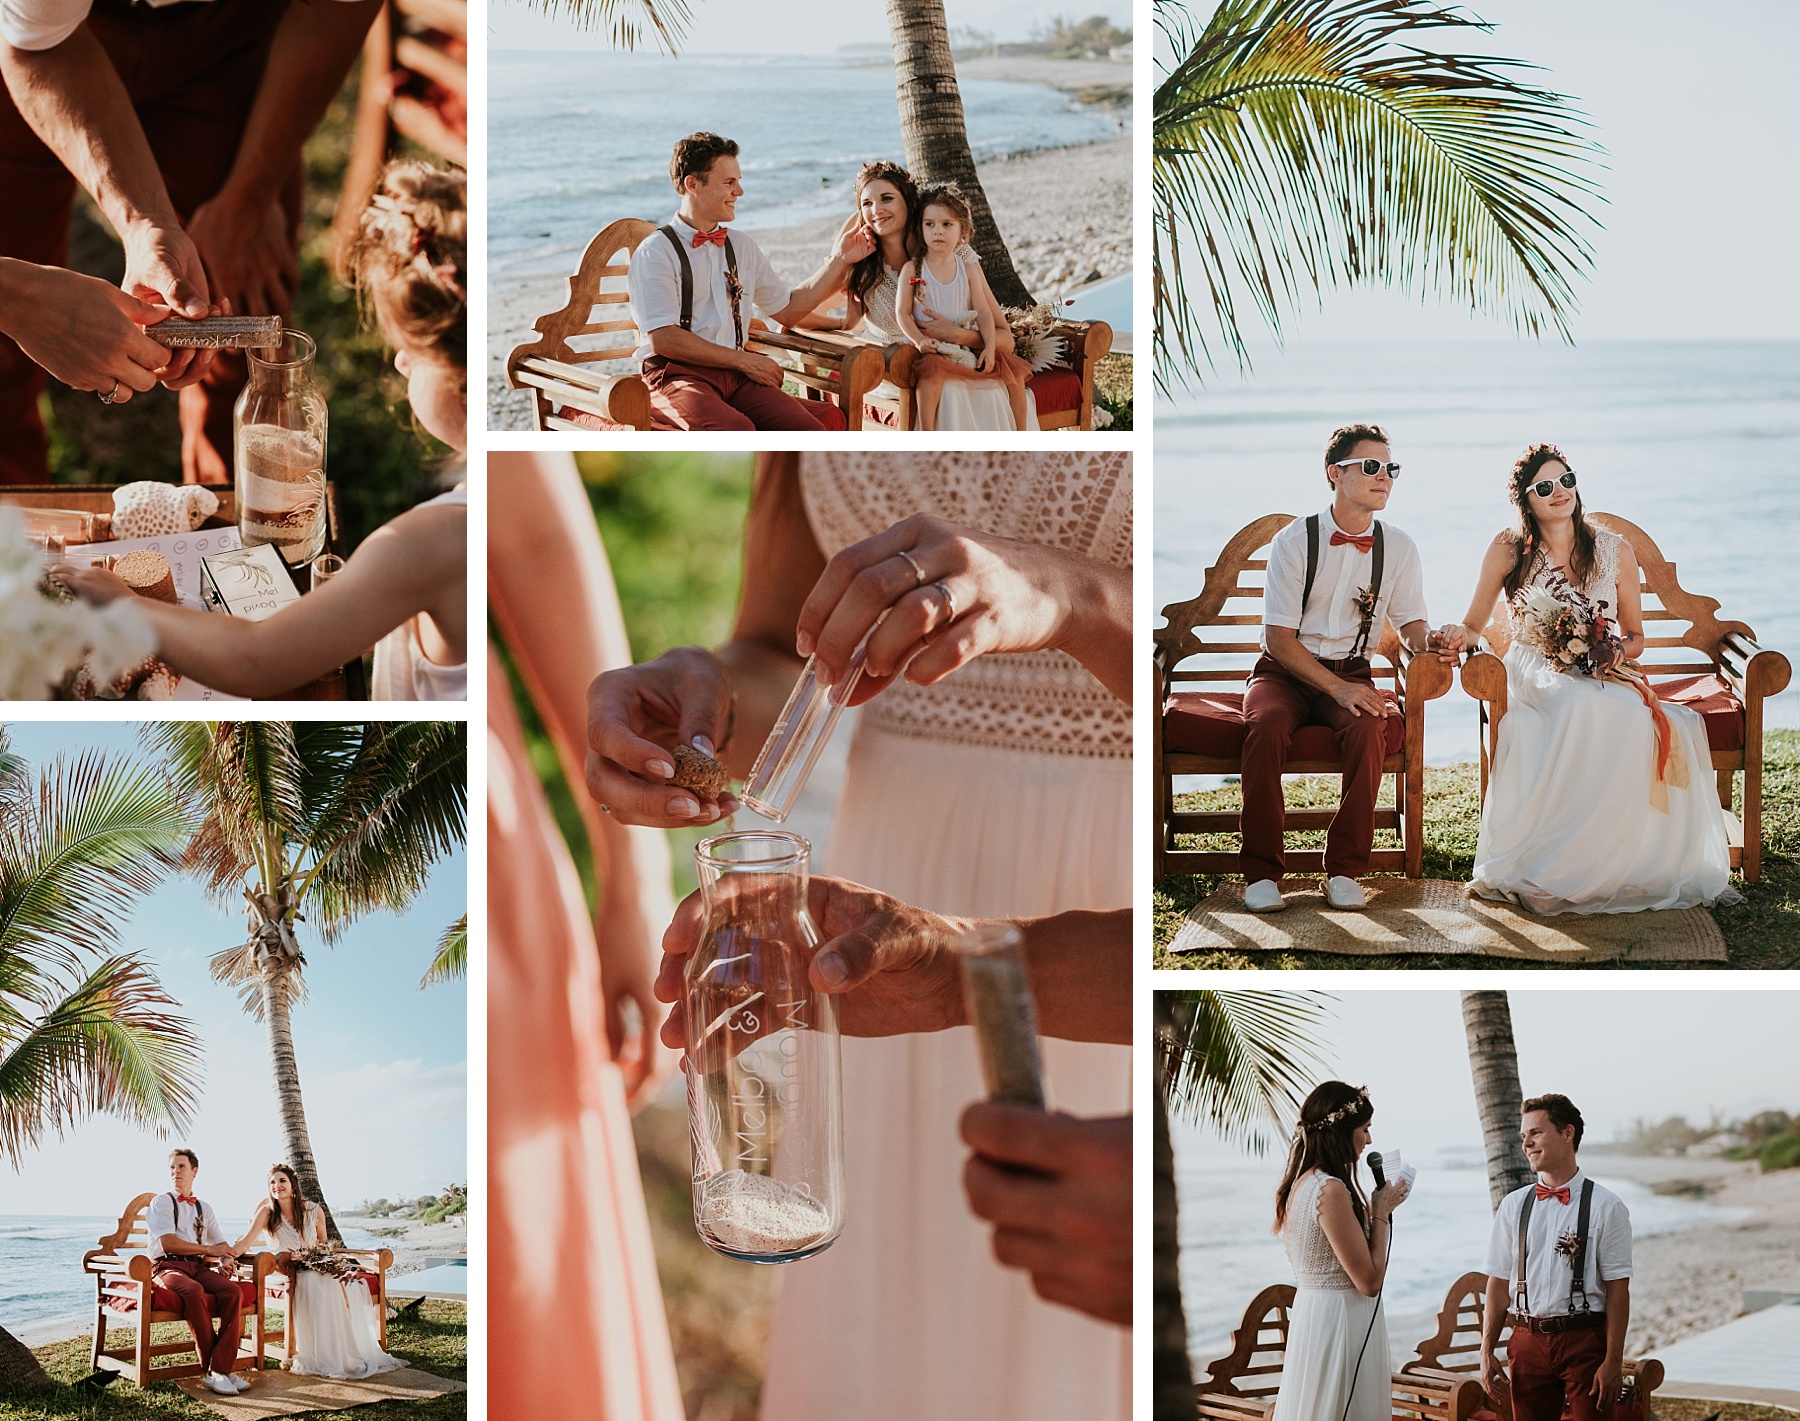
x=382, y=1064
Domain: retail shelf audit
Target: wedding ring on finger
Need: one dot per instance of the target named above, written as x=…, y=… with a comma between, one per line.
x=112, y=395
x=949, y=599
x=913, y=563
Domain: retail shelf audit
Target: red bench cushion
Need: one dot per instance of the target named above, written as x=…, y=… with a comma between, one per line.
x=1212, y=723
x=1057, y=389
x=1718, y=705
x=586, y=420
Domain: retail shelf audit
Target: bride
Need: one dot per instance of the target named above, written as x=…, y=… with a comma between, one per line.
x=1597, y=803
x=1336, y=1368
x=333, y=1330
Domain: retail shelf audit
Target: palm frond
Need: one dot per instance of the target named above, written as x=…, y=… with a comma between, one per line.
x=1239, y=1060
x=628, y=22
x=109, y=1046
x=452, y=959
x=1300, y=145
x=242, y=967
x=248, y=776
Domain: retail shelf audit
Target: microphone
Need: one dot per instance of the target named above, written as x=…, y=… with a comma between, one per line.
x=1374, y=1158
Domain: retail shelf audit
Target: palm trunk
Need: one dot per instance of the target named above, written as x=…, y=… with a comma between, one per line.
x=935, y=135
x=1173, y=1376
x=287, y=1091
x=20, y=1371
x=1494, y=1064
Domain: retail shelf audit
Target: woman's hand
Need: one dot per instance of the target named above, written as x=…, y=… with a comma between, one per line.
x=855, y=240
x=1389, y=1198
x=84, y=331
x=91, y=584
x=637, y=716
x=628, y=930
x=956, y=595
x=951, y=331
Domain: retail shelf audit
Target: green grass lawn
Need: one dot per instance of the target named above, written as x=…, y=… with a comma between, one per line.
x=436, y=1340
x=1763, y=931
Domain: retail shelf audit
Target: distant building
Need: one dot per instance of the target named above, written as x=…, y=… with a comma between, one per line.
x=1120, y=53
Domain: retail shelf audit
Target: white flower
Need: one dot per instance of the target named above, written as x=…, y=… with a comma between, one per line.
x=42, y=640
x=1578, y=646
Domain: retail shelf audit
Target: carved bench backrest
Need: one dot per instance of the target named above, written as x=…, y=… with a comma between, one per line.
x=1456, y=1346
x=1228, y=640
x=598, y=313
x=1258, y=1348
x=130, y=1236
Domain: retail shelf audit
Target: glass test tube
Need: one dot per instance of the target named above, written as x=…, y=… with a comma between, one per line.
x=793, y=747
x=997, y=989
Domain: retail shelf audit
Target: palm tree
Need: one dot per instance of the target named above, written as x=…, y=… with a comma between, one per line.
x=630, y=21
x=1307, y=144
x=84, y=1028
x=452, y=959
x=1237, y=1061
x=1494, y=1063
x=315, y=822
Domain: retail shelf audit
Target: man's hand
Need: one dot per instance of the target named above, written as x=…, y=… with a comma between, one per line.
x=247, y=254
x=1449, y=642
x=1361, y=698
x=1608, y=1382
x=163, y=267
x=1493, y=1375
x=893, y=963
x=1058, y=1192
x=761, y=369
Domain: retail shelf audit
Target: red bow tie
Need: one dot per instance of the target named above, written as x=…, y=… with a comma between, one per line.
x=716, y=237
x=1560, y=1195
x=190, y=1199
x=1362, y=543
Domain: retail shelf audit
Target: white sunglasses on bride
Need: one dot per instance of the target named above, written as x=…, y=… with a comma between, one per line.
x=1543, y=487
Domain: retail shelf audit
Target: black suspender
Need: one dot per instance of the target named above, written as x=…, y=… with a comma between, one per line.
x=1312, y=571
x=1578, y=1298
x=732, y=288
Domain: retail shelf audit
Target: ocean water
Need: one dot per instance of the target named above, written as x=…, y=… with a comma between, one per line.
x=40, y=1264
x=579, y=139
x=1228, y=1254
x=1698, y=443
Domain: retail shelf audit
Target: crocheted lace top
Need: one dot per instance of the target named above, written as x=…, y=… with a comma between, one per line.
x=1314, y=1262
x=1602, y=586
x=1043, y=702
x=881, y=315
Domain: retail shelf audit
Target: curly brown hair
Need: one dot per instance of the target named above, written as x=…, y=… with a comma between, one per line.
x=1528, y=538
x=695, y=155
x=409, y=260
x=867, y=272
x=952, y=199
x=1347, y=437
x=1562, y=1113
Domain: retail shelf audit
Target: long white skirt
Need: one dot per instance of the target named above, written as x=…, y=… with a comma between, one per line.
x=335, y=1329
x=1326, y=1355
x=980, y=404
x=1569, y=826
x=907, y=1316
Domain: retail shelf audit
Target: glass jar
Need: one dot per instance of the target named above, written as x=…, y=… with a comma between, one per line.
x=765, y=1089
x=278, y=439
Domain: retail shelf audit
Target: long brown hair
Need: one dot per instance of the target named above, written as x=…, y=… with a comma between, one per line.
x=1528, y=538
x=1326, y=1141
x=298, y=1220
x=867, y=272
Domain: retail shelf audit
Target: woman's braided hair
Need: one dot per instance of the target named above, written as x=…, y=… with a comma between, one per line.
x=409, y=259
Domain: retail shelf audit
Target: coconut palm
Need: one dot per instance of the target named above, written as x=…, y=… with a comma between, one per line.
x=314, y=822
x=629, y=22
x=1302, y=145
x=84, y=1028
x=452, y=959
x=1237, y=1061
x=1494, y=1063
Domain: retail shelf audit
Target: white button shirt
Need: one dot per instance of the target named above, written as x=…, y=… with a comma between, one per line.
x=44, y=24
x=1329, y=627
x=654, y=284
x=166, y=1216
x=1548, y=1274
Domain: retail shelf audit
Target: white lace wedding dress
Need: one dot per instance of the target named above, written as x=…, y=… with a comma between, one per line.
x=1569, y=825
x=1337, y=1338
x=1003, y=790
x=333, y=1326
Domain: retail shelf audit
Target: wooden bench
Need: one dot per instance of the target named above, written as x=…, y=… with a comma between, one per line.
x=124, y=1295
x=1242, y=1385
x=1715, y=667
x=1453, y=1352
x=1202, y=732
x=1064, y=392
x=283, y=1345
x=831, y=365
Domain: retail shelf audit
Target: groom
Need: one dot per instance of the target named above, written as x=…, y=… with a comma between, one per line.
x=1560, y=1252
x=188, y=1243
x=1333, y=579
x=694, y=288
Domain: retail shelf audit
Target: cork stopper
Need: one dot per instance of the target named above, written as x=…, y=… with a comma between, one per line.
x=148, y=575
x=702, y=774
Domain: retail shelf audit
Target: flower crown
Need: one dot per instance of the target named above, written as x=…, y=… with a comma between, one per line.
x=1342, y=1113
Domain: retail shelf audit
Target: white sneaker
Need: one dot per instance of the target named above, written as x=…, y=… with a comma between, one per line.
x=222, y=1384
x=1341, y=892
x=238, y=1380
x=1263, y=896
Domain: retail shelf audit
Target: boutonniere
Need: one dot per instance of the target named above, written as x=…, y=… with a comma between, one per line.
x=1568, y=1244
x=733, y=287
x=1365, y=609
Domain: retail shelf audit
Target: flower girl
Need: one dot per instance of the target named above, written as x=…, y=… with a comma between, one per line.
x=941, y=285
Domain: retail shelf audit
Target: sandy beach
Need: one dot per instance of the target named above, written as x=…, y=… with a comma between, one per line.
x=1065, y=214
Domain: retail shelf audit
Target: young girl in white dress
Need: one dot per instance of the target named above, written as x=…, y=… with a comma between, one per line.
x=333, y=1327
x=1336, y=1367
x=1585, y=811
x=941, y=283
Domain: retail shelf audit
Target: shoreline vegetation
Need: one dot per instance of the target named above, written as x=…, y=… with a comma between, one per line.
x=1065, y=213
x=1761, y=932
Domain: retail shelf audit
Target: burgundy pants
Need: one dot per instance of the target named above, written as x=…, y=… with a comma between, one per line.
x=700, y=397
x=1275, y=706
x=196, y=1287
x=1554, y=1369
x=191, y=72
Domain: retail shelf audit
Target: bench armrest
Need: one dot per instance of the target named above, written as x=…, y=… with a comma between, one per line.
x=1422, y=676
x=1484, y=676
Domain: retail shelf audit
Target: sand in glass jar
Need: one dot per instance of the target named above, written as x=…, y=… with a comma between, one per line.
x=279, y=443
